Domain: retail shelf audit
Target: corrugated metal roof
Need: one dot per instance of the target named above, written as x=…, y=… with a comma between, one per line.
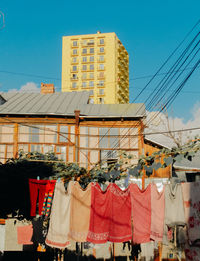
x=114, y=110
x=43, y=104
x=186, y=164
x=64, y=104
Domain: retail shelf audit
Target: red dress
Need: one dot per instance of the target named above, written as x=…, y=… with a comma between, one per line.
x=141, y=211
x=110, y=215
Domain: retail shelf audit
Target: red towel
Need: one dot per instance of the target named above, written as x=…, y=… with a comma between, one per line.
x=141, y=209
x=110, y=215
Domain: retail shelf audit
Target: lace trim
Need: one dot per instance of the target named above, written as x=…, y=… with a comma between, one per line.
x=57, y=244
x=105, y=236
x=98, y=236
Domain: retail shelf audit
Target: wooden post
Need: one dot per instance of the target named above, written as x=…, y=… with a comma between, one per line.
x=15, y=147
x=77, y=114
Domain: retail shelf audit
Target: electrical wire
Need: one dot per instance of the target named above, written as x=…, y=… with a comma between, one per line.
x=172, y=69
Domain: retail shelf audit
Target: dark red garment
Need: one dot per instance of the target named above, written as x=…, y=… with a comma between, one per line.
x=141, y=211
x=37, y=189
x=110, y=215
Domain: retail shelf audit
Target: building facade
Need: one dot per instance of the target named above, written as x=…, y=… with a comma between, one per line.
x=64, y=123
x=98, y=63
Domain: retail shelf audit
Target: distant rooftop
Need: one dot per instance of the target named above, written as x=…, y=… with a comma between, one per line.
x=64, y=104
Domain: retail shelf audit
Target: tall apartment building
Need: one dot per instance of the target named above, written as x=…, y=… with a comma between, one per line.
x=98, y=63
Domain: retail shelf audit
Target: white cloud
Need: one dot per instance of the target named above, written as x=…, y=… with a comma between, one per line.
x=30, y=87
x=161, y=124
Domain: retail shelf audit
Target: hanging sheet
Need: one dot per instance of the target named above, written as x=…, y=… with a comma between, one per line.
x=157, y=213
x=141, y=211
x=57, y=235
x=174, y=210
x=79, y=212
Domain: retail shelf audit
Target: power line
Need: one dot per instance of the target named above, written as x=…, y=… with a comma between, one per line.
x=162, y=67
x=171, y=71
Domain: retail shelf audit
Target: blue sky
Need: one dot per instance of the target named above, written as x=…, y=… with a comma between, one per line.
x=31, y=41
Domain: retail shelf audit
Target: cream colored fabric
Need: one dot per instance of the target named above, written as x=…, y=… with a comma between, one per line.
x=79, y=212
x=174, y=210
x=147, y=250
x=2, y=237
x=11, y=235
x=57, y=235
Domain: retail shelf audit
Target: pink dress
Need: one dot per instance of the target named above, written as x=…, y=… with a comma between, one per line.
x=141, y=212
x=157, y=213
x=110, y=215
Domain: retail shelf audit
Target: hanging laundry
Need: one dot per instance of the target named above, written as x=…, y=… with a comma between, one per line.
x=141, y=211
x=157, y=213
x=106, y=220
x=192, y=253
x=103, y=251
x=79, y=212
x=24, y=234
x=191, y=192
x=11, y=243
x=174, y=210
x=60, y=217
x=39, y=187
x=2, y=238
x=147, y=250
x=39, y=231
x=48, y=198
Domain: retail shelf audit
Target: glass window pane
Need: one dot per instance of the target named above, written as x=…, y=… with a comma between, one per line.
x=103, y=138
x=114, y=137
x=63, y=137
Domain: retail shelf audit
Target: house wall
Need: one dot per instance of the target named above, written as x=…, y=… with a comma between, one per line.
x=160, y=173
x=94, y=140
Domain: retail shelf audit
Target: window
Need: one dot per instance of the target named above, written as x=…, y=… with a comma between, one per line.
x=84, y=67
x=64, y=134
x=84, y=75
x=91, y=92
x=101, y=91
x=91, y=42
x=101, y=100
x=75, y=43
x=74, y=85
x=74, y=76
x=101, y=83
x=91, y=75
x=84, y=42
x=92, y=67
x=74, y=60
x=84, y=84
x=84, y=59
x=91, y=84
x=74, y=68
x=101, y=41
x=101, y=75
x=91, y=50
x=84, y=51
x=75, y=51
x=101, y=50
x=101, y=66
x=91, y=58
x=101, y=58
